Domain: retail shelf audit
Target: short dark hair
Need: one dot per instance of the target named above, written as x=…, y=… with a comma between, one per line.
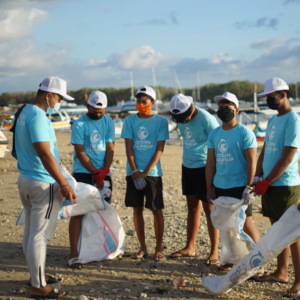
x=40, y=92
x=227, y=102
x=139, y=95
x=178, y=118
x=288, y=93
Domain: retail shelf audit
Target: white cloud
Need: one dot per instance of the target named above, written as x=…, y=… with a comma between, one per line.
x=269, y=45
x=138, y=58
x=219, y=58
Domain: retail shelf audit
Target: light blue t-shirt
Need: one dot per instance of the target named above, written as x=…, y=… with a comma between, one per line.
x=282, y=131
x=93, y=135
x=33, y=126
x=229, y=146
x=195, y=134
x=145, y=133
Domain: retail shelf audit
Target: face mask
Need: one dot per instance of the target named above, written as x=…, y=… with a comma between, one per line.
x=143, y=109
x=271, y=102
x=94, y=117
x=55, y=109
x=225, y=114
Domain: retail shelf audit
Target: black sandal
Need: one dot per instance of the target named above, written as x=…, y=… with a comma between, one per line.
x=53, y=294
x=51, y=280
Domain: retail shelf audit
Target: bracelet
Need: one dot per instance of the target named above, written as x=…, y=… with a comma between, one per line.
x=134, y=171
x=248, y=186
x=64, y=186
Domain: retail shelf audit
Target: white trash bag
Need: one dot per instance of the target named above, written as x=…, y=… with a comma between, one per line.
x=229, y=217
x=283, y=233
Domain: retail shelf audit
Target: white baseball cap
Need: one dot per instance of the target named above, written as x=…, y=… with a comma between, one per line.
x=272, y=85
x=227, y=96
x=97, y=99
x=180, y=104
x=55, y=85
x=148, y=90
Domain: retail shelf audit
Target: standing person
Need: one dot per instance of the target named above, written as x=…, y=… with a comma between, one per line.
x=41, y=182
x=93, y=137
x=278, y=167
x=145, y=134
x=194, y=124
x=231, y=160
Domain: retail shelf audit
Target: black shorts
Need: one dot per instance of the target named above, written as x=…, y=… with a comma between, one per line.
x=194, y=182
x=153, y=192
x=89, y=179
x=234, y=193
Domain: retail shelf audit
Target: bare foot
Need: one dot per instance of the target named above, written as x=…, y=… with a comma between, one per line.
x=226, y=267
x=158, y=257
x=272, y=277
x=293, y=291
x=183, y=253
x=44, y=291
x=140, y=254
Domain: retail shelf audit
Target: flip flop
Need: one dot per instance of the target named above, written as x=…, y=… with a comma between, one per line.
x=292, y=296
x=51, y=280
x=221, y=268
x=274, y=280
x=210, y=262
x=73, y=261
x=125, y=254
x=53, y=294
x=181, y=255
x=160, y=260
x=140, y=257
x=253, y=278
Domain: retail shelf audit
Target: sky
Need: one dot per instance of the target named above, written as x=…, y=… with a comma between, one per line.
x=97, y=43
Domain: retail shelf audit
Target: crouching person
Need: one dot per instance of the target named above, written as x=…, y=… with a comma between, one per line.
x=93, y=137
x=145, y=134
x=41, y=182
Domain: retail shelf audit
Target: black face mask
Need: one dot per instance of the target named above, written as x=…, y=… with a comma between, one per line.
x=225, y=114
x=94, y=117
x=271, y=102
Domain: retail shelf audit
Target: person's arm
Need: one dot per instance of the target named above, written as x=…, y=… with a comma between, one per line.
x=282, y=164
x=154, y=160
x=259, y=168
x=210, y=171
x=250, y=155
x=130, y=154
x=109, y=154
x=83, y=158
x=50, y=164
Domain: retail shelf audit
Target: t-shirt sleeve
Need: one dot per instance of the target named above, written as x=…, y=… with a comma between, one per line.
x=110, y=131
x=163, y=133
x=77, y=137
x=211, y=124
x=211, y=140
x=126, y=130
x=39, y=129
x=292, y=133
x=249, y=139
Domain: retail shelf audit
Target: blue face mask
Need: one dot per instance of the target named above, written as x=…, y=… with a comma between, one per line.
x=55, y=109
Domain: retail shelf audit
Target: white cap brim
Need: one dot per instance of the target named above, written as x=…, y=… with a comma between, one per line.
x=67, y=97
x=217, y=99
x=280, y=88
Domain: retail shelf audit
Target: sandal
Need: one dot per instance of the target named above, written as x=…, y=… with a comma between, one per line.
x=181, y=255
x=227, y=266
x=140, y=257
x=291, y=296
x=73, y=261
x=53, y=294
x=209, y=263
x=51, y=280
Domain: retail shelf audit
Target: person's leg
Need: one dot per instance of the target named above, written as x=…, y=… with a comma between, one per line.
x=74, y=233
x=295, y=289
x=213, y=235
x=139, y=225
x=193, y=223
x=159, y=231
x=250, y=229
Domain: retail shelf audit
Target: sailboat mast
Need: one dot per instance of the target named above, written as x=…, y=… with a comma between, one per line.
x=198, y=86
x=131, y=83
x=296, y=90
x=175, y=83
x=255, y=104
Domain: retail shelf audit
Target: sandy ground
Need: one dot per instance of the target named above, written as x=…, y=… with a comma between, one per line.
x=106, y=279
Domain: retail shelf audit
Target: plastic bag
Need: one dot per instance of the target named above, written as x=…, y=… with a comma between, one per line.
x=229, y=217
x=283, y=233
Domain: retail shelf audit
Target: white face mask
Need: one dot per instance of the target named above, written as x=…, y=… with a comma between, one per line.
x=55, y=109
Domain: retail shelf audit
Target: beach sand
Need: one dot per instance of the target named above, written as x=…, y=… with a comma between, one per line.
x=106, y=279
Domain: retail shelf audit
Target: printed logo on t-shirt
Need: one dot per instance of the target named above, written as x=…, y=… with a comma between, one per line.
x=21, y=119
x=223, y=157
x=272, y=133
x=143, y=133
x=55, y=145
x=189, y=142
x=95, y=137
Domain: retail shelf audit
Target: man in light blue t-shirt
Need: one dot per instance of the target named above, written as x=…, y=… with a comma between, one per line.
x=194, y=124
x=93, y=137
x=145, y=134
x=278, y=167
x=231, y=159
x=41, y=182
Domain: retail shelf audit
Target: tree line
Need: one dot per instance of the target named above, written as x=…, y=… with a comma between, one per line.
x=242, y=89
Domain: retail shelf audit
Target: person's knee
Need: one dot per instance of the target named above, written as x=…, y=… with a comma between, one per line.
x=157, y=212
x=249, y=225
x=138, y=211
